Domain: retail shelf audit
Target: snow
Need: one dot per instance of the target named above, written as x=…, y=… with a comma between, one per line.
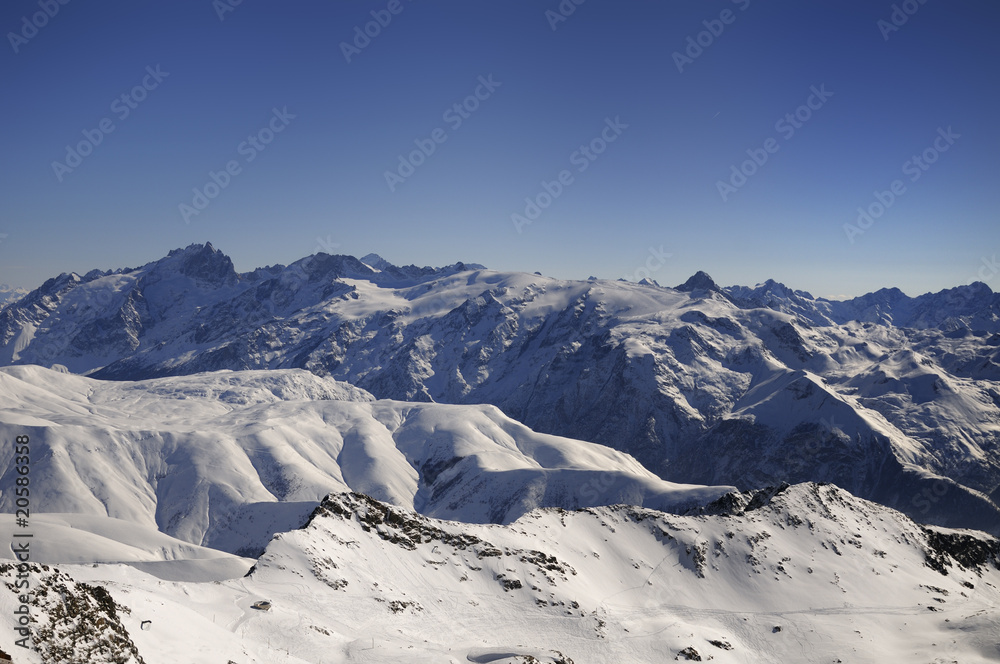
x=662, y=374
x=429, y=389
x=816, y=575
x=11, y=294
x=83, y=538
x=207, y=458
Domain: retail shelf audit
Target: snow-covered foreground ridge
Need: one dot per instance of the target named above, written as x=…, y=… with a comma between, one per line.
x=226, y=459
x=806, y=573
x=891, y=397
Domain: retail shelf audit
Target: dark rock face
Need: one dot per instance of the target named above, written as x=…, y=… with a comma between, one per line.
x=208, y=264
x=967, y=551
x=73, y=621
x=699, y=281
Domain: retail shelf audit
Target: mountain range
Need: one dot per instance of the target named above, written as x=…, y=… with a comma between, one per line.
x=893, y=398
x=343, y=460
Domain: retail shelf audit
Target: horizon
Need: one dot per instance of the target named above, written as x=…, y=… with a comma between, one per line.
x=835, y=148
x=488, y=268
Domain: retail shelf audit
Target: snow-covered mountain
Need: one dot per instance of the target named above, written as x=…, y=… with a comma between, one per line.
x=449, y=536
x=805, y=574
x=227, y=459
x=891, y=397
x=9, y=294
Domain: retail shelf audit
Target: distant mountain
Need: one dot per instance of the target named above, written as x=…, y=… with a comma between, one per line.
x=891, y=397
x=974, y=307
x=9, y=294
x=699, y=281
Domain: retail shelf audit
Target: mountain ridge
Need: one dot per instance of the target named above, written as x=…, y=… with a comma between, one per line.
x=227, y=459
x=203, y=255
x=804, y=573
x=894, y=398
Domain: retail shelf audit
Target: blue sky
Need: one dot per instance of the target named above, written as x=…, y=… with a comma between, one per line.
x=309, y=137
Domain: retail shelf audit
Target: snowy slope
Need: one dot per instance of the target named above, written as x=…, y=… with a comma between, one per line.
x=59, y=539
x=895, y=398
x=227, y=459
x=801, y=574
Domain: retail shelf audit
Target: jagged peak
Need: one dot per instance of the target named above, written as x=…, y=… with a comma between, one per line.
x=202, y=262
x=699, y=281
x=736, y=503
x=892, y=293
x=194, y=248
x=375, y=261
x=772, y=286
x=975, y=289
x=979, y=286
x=770, y=289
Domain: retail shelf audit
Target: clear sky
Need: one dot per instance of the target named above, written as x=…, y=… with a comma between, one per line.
x=152, y=98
